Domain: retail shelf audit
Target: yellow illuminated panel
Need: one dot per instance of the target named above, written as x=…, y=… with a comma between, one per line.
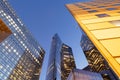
x=107, y=33
x=113, y=46
x=118, y=60
x=87, y=17
x=114, y=14
x=100, y=20
x=104, y=32
x=102, y=25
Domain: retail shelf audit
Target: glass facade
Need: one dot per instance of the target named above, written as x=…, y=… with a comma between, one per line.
x=21, y=56
x=78, y=74
x=60, y=60
x=67, y=61
x=53, y=69
x=99, y=20
x=96, y=61
x=85, y=43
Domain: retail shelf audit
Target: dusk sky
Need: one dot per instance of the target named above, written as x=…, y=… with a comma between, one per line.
x=44, y=18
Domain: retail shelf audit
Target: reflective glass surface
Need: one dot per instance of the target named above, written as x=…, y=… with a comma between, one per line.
x=61, y=60
x=20, y=53
x=77, y=74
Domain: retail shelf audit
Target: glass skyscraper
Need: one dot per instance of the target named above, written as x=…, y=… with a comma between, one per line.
x=61, y=60
x=96, y=61
x=21, y=56
x=100, y=22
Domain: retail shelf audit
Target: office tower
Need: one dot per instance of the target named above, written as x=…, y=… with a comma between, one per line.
x=99, y=20
x=96, y=61
x=78, y=74
x=61, y=60
x=21, y=56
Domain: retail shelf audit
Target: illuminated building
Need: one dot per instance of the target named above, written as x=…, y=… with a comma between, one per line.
x=78, y=74
x=21, y=56
x=96, y=61
x=61, y=60
x=100, y=22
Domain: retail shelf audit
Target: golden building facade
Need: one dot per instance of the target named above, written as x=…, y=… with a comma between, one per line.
x=100, y=20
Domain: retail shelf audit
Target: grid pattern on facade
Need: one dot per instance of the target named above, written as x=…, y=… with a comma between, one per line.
x=10, y=53
x=102, y=31
x=85, y=43
x=95, y=60
x=15, y=42
x=24, y=69
x=67, y=61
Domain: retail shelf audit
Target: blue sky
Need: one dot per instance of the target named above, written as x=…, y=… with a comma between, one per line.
x=44, y=18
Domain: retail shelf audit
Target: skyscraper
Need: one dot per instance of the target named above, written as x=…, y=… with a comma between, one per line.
x=21, y=56
x=96, y=61
x=61, y=60
x=100, y=21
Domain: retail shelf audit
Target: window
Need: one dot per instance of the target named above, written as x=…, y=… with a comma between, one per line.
x=81, y=6
x=111, y=8
x=92, y=11
x=102, y=15
x=1, y=66
x=116, y=4
x=101, y=6
x=116, y=22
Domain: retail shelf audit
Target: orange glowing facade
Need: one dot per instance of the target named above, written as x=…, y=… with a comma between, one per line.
x=100, y=21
